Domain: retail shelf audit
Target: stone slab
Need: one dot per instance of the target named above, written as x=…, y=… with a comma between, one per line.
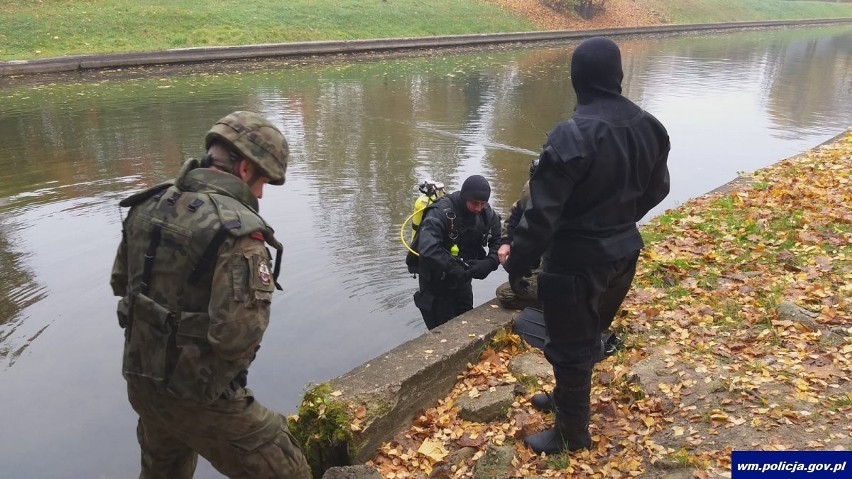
x=395, y=387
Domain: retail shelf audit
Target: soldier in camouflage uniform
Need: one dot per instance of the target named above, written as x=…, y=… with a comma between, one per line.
x=529, y=297
x=195, y=281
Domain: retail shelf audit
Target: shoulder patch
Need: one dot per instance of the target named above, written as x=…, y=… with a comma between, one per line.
x=258, y=236
x=264, y=274
x=261, y=274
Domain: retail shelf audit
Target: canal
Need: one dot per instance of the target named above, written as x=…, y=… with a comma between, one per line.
x=363, y=133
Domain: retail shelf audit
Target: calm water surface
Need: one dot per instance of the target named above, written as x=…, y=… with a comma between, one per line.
x=363, y=135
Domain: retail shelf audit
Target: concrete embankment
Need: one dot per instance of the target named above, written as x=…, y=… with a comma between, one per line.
x=307, y=49
x=398, y=385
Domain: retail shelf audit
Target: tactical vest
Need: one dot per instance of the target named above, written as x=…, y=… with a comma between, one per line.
x=173, y=238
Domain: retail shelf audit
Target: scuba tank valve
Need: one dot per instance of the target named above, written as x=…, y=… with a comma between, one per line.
x=431, y=191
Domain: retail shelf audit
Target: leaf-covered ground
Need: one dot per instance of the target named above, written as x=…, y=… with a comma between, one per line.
x=710, y=365
x=553, y=15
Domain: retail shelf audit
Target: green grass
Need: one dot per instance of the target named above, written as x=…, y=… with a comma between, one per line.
x=37, y=29
x=34, y=29
x=840, y=402
x=712, y=11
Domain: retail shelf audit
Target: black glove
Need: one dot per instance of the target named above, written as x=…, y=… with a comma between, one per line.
x=479, y=268
x=519, y=283
x=457, y=272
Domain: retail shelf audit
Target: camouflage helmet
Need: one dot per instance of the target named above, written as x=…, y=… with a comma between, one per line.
x=254, y=138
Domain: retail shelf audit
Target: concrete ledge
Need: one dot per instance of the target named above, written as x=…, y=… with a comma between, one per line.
x=275, y=50
x=395, y=387
x=746, y=180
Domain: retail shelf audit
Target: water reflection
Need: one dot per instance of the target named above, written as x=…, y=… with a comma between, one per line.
x=21, y=292
x=363, y=134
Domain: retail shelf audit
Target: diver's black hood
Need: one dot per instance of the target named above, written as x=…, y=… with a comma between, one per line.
x=596, y=70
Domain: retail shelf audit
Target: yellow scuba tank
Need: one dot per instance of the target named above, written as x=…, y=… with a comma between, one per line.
x=419, y=205
x=431, y=191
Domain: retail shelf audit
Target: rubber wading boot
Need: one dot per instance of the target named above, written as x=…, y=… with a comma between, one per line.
x=542, y=402
x=609, y=344
x=571, y=433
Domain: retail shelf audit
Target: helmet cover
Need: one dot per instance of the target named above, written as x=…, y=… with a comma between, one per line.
x=256, y=139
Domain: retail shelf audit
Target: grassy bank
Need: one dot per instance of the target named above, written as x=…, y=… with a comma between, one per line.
x=34, y=29
x=711, y=11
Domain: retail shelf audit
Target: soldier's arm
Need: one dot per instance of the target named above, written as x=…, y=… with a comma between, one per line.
x=509, y=223
x=514, y=216
x=118, y=277
x=241, y=295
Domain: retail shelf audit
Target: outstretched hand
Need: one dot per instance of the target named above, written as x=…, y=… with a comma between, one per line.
x=503, y=253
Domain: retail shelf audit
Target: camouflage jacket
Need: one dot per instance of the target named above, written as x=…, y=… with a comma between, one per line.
x=195, y=281
x=514, y=216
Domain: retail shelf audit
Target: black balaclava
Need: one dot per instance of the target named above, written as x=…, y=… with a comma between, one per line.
x=596, y=70
x=474, y=188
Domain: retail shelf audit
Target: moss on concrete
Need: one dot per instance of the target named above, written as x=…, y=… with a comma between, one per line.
x=322, y=426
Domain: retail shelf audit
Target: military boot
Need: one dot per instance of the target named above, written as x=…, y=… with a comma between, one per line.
x=570, y=433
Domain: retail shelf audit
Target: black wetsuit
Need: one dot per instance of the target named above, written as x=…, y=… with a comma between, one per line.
x=598, y=174
x=445, y=284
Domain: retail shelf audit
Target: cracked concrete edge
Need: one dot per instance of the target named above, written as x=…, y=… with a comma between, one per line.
x=302, y=49
x=747, y=179
x=396, y=386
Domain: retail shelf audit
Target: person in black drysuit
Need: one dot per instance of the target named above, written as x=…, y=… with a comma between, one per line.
x=598, y=174
x=463, y=218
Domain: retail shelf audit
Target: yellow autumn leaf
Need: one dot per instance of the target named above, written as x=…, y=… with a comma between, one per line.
x=433, y=450
x=719, y=416
x=802, y=385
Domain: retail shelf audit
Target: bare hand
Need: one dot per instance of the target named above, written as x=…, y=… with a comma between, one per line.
x=503, y=253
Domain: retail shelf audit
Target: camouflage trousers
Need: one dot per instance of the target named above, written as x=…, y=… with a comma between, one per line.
x=511, y=300
x=240, y=437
